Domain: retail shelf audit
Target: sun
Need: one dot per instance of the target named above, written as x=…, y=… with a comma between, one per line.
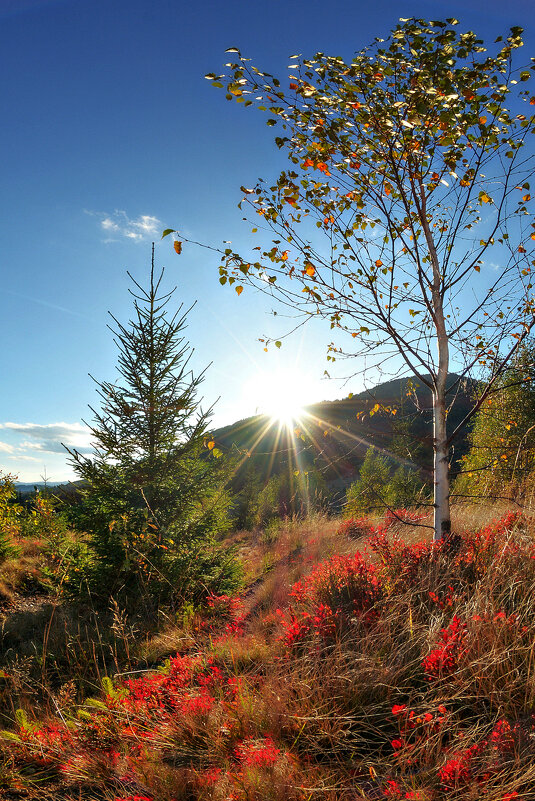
x=280, y=395
x=283, y=408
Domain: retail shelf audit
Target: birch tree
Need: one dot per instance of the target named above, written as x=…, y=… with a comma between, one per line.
x=404, y=216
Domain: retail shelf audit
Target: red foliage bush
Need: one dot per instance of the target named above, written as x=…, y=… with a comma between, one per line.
x=444, y=660
x=337, y=591
x=400, y=562
x=258, y=753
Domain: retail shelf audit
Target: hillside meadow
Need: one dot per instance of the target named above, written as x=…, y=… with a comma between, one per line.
x=358, y=661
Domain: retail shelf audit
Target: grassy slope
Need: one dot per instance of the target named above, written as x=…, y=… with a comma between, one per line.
x=407, y=673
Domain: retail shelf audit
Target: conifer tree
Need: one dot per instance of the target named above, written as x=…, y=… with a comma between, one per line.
x=502, y=440
x=368, y=492
x=155, y=497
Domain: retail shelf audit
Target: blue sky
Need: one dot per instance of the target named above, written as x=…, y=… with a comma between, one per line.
x=110, y=134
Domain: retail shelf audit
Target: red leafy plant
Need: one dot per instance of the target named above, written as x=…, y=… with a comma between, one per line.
x=444, y=659
x=337, y=592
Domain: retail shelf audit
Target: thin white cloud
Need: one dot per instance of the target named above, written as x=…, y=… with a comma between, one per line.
x=119, y=224
x=5, y=448
x=50, y=437
x=23, y=457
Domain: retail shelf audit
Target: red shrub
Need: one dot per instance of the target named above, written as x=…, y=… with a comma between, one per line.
x=258, y=753
x=336, y=591
x=444, y=660
x=458, y=770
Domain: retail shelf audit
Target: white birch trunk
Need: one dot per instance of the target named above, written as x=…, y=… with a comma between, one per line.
x=441, y=473
x=442, y=520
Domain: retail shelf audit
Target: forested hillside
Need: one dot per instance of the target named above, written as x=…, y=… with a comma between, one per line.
x=331, y=438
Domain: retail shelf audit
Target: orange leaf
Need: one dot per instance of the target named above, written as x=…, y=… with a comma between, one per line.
x=378, y=263
x=178, y=247
x=526, y=198
x=307, y=163
x=521, y=249
x=210, y=445
x=310, y=270
x=532, y=101
x=294, y=86
x=482, y=120
x=284, y=255
x=239, y=290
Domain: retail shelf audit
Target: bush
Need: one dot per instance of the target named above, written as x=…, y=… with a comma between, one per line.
x=11, y=515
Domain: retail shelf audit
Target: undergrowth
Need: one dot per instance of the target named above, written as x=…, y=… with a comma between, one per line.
x=405, y=670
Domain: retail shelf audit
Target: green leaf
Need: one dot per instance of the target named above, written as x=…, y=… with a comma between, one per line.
x=168, y=231
x=278, y=343
x=21, y=718
x=9, y=735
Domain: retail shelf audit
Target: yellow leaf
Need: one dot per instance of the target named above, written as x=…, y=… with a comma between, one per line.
x=178, y=247
x=239, y=290
x=485, y=198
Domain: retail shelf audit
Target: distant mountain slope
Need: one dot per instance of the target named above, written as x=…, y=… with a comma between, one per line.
x=26, y=488
x=333, y=436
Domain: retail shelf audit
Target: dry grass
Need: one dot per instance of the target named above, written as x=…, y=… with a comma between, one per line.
x=348, y=712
